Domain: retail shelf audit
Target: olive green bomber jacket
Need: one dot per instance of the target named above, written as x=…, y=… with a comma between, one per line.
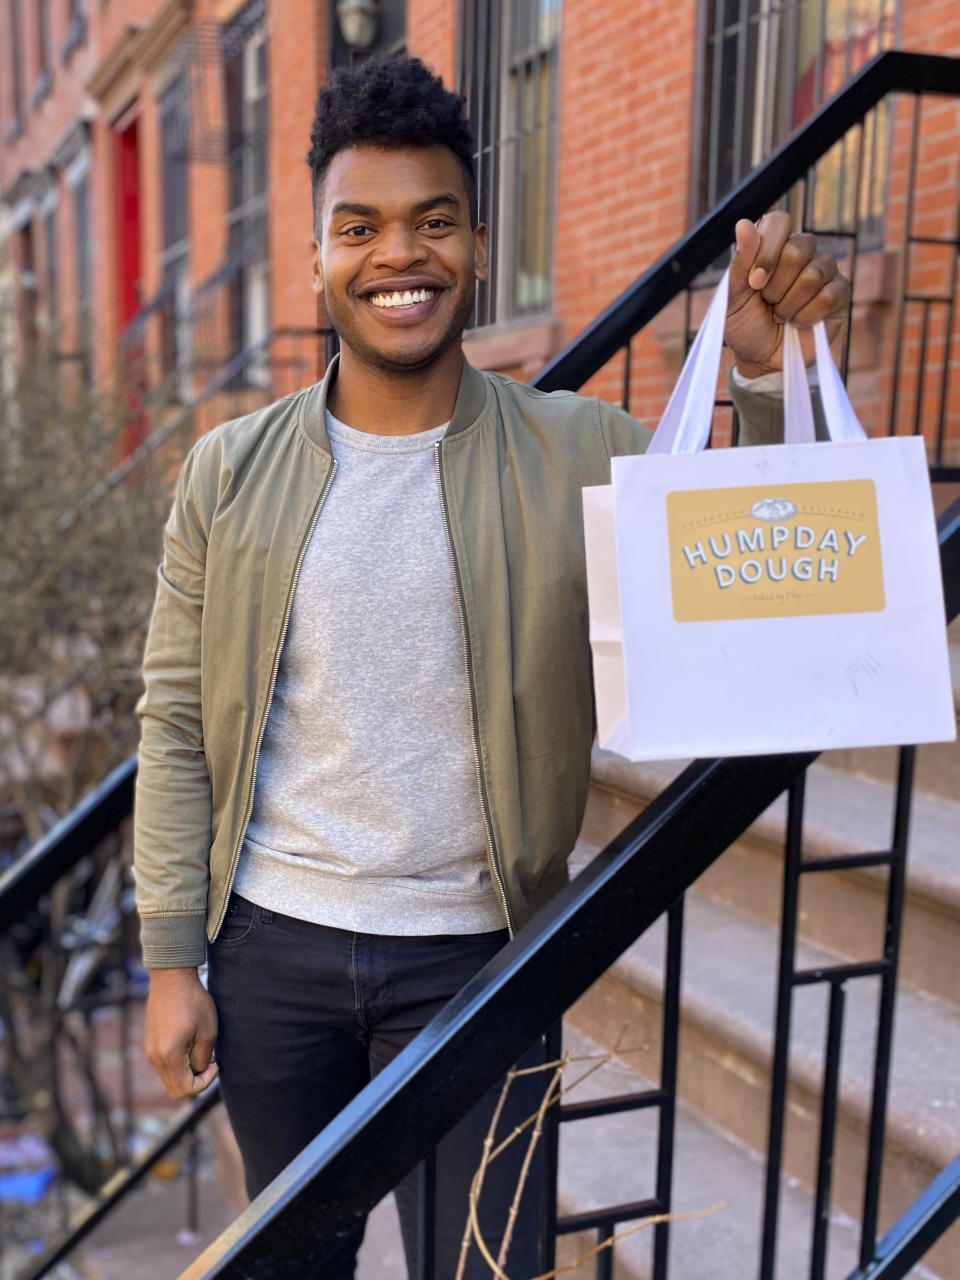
x=511, y=468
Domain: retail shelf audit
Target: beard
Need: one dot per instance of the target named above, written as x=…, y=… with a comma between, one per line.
x=341, y=318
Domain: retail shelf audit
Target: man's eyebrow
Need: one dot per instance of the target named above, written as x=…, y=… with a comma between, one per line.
x=445, y=198
x=370, y=211
x=357, y=210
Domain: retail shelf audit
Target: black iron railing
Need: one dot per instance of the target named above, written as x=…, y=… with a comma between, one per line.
x=923, y=389
x=640, y=876
x=523, y=992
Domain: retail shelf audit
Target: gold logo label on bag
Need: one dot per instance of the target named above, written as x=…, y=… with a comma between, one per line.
x=779, y=551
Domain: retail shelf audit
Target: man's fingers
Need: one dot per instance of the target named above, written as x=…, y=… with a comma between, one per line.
x=796, y=254
x=748, y=242
x=830, y=304
x=182, y=1080
x=200, y=1054
x=809, y=281
x=176, y=1075
x=774, y=232
x=205, y=1078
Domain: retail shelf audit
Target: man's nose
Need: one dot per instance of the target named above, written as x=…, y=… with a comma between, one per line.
x=398, y=246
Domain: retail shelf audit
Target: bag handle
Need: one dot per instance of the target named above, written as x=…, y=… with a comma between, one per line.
x=686, y=421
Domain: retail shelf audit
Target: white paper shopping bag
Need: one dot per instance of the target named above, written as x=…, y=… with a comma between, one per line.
x=776, y=598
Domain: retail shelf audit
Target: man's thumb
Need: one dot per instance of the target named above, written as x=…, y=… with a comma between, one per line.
x=748, y=245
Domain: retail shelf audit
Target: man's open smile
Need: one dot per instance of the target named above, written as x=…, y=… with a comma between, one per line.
x=404, y=303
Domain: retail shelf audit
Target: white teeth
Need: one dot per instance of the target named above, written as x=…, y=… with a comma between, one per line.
x=398, y=298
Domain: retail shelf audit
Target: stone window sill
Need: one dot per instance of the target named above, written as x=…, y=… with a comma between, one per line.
x=520, y=348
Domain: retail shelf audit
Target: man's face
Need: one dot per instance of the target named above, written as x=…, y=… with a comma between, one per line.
x=398, y=260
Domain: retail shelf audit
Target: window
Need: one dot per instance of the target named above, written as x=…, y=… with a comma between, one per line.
x=81, y=222
x=28, y=291
x=509, y=77
x=77, y=29
x=767, y=67
x=245, y=58
x=50, y=250
x=174, y=160
x=43, y=51
x=16, y=67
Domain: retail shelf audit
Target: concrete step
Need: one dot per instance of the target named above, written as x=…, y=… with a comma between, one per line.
x=611, y=1159
x=842, y=911
x=726, y=1046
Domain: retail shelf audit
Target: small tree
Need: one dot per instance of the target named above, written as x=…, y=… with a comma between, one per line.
x=77, y=573
x=79, y=546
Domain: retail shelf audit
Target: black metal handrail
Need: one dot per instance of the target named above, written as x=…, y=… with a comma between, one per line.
x=890, y=72
x=397, y=1119
x=402, y=1114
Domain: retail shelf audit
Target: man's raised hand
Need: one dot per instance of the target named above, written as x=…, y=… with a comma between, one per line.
x=777, y=276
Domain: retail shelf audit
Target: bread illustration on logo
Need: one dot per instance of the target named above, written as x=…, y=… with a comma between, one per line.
x=773, y=509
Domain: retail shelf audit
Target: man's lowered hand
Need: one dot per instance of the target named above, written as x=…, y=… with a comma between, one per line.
x=180, y=1032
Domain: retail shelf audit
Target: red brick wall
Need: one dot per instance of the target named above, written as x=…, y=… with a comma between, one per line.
x=623, y=164
x=625, y=102
x=298, y=60
x=432, y=36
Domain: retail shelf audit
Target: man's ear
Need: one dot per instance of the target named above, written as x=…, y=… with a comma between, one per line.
x=317, y=281
x=480, y=251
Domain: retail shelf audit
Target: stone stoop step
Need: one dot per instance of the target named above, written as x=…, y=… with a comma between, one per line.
x=611, y=1159
x=842, y=911
x=726, y=1047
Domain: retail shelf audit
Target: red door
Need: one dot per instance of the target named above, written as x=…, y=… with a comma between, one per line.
x=127, y=220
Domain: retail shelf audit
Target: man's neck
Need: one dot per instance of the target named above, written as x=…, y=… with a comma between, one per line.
x=390, y=404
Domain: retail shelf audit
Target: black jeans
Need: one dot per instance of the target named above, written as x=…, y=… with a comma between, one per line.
x=308, y=1015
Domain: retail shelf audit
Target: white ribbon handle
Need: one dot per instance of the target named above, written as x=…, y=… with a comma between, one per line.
x=685, y=425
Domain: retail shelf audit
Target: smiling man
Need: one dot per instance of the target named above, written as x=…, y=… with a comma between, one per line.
x=368, y=714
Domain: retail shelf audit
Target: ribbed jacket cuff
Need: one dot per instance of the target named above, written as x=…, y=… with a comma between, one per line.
x=761, y=410
x=174, y=941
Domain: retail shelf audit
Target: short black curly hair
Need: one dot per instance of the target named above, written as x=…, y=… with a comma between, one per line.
x=387, y=102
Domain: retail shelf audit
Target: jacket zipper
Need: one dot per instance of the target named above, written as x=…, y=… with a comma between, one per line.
x=474, y=715
x=273, y=683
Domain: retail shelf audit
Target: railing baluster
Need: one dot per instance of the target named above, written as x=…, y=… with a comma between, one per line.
x=547, y=1242
x=888, y=995
x=669, y=1053
x=904, y=271
x=605, y=1256
x=625, y=395
x=781, y=1051
x=828, y=1129
x=426, y=1216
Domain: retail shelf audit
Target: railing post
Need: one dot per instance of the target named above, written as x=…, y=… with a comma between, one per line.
x=426, y=1216
x=828, y=1129
x=669, y=1054
x=547, y=1240
x=888, y=995
x=781, y=1050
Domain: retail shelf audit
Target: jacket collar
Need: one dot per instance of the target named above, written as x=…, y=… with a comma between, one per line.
x=472, y=399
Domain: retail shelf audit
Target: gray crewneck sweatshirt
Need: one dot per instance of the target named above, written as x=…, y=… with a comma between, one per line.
x=366, y=812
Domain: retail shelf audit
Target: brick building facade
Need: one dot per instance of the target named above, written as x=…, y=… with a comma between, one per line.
x=156, y=201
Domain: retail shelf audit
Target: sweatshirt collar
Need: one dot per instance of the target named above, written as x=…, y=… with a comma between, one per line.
x=472, y=399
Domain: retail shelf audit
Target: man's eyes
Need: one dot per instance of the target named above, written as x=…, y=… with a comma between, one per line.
x=360, y=230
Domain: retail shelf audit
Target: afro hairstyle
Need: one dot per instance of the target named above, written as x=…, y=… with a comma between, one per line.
x=387, y=102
